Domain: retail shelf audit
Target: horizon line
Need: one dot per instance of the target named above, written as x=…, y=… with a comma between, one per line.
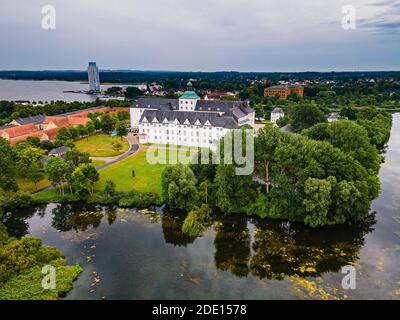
x=192, y=71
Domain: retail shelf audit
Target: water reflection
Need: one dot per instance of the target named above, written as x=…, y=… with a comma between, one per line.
x=172, y=222
x=242, y=245
x=232, y=244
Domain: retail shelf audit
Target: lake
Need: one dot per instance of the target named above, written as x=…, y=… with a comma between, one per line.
x=32, y=90
x=133, y=254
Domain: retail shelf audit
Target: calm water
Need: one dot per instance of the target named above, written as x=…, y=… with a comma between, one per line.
x=45, y=90
x=128, y=254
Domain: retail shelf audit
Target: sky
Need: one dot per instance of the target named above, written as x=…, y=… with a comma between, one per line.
x=200, y=35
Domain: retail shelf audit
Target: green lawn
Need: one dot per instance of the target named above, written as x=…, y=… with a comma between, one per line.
x=99, y=145
x=98, y=163
x=29, y=186
x=147, y=176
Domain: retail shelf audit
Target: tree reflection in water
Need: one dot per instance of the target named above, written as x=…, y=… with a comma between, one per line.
x=232, y=244
x=282, y=248
x=243, y=245
x=172, y=221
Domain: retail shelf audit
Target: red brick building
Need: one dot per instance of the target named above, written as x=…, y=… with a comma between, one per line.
x=284, y=91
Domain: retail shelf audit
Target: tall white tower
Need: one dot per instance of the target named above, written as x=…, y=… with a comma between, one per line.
x=94, y=78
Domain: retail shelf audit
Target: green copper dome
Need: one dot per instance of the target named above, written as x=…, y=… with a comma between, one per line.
x=189, y=93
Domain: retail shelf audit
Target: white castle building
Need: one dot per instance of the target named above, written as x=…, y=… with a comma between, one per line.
x=188, y=121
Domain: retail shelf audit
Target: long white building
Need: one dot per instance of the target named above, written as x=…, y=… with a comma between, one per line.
x=188, y=121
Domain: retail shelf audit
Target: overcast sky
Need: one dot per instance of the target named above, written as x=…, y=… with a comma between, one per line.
x=201, y=35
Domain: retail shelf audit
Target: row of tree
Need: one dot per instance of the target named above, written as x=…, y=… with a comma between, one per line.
x=326, y=175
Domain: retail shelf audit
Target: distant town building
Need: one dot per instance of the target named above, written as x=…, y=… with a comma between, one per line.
x=284, y=91
x=276, y=114
x=188, y=121
x=94, y=78
x=333, y=117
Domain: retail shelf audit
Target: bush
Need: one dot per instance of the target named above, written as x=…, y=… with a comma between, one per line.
x=138, y=199
x=20, y=200
x=196, y=221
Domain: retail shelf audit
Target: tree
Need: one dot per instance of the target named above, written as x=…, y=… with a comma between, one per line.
x=121, y=129
x=35, y=175
x=116, y=146
x=317, y=200
x=305, y=115
x=282, y=121
x=73, y=132
x=29, y=160
x=233, y=192
x=123, y=115
x=106, y=123
x=83, y=131
x=196, y=221
x=265, y=145
x=57, y=171
x=109, y=190
x=349, y=137
x=77, y=157
x=349, y=113
x=90, y=127
x=178, y=185
x=90, y=172
x=302, y=171
x=7, y=165
x=78, y=182
x=64, y=134
x=132, y=93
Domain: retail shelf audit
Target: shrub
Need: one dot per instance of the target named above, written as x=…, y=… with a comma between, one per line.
x=196, y=221
x=20, y=200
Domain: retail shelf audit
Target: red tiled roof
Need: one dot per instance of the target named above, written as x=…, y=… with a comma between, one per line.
x=73, y=121
x=52, y=133
x=19, y=130
x=38, y=134
x=58, y=121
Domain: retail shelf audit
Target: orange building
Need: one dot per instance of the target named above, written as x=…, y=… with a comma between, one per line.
x=284, y=91
x=46, y=127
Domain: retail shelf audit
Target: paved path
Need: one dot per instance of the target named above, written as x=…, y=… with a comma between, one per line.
x=111, y=160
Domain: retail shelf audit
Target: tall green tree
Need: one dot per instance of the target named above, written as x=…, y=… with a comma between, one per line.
x=121, y=129
x=7, y=166
x=179, y=187
x=305, y=115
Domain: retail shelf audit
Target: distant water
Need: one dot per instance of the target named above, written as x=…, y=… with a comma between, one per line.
x=32, y=90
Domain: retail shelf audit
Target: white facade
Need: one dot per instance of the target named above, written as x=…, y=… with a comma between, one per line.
x=188, y=121
x=184, y=135
x=94, y=78
x=276, y=114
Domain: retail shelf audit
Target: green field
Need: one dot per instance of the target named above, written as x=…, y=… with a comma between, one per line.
x=147, y=176
x=29, y=186
x=99, y=145
x=98, y=163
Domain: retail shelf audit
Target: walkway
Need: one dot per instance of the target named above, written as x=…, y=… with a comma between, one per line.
x=134, y=146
